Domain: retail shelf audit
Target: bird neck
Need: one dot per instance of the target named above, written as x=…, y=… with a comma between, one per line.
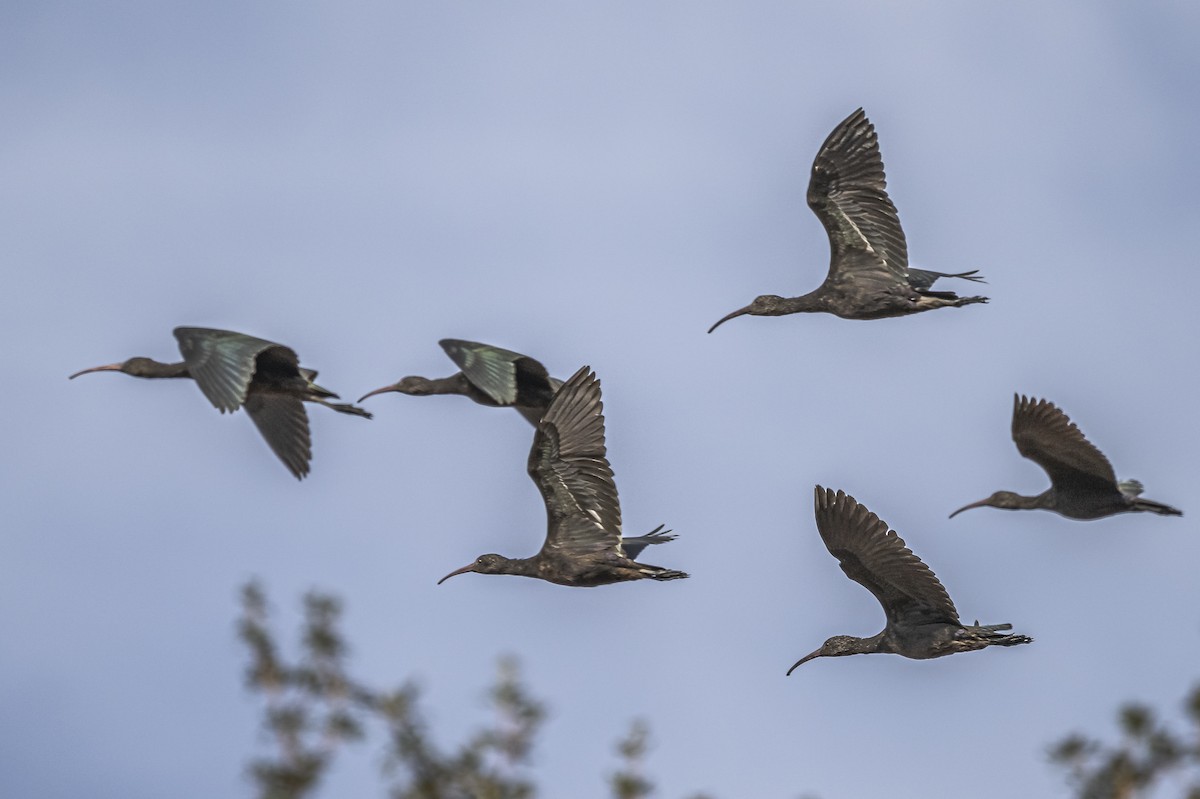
x=812, y=302
x=521, y=567
x=1043, y=501
x=454, y=384
x=155, y=369
x=1010, y=500
x=875, y=644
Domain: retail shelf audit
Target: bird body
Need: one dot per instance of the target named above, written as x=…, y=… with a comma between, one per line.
x=869, y=276
x=235, y=370
x=593, y=570
x=568, y=462
x=491, y=376
x=922, y=641
x=1083, y=484
x=922, y=621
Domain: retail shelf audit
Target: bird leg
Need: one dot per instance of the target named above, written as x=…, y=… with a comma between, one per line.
x=659, y=573
x=979, y=636
x=342, y=407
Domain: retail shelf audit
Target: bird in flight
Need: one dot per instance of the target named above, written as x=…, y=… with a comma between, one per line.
x=239, y=371
x=491, y=376
x=1083, y=484
x=921, y=620
x=569, y=464
x=869, y=276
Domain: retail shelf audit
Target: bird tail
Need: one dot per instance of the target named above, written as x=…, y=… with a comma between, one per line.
x=634, y=545
x=922, y=279
x=1131, y=488
x=1155, y=507
x=991, y=628
x=972, y=275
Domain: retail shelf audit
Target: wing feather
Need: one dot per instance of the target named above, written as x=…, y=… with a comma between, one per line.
x=848, y=193
x=283, y=422
x=1046, y=436
x=223, y=362
x=876, y=558
x=569, y=464
x=493, y=370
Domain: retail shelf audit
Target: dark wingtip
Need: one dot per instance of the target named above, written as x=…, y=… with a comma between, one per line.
x=299, y=470
x=449, y=344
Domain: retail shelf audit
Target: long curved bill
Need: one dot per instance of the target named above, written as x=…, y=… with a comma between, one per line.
x=383, y=390
x=980, y=504
x=803, y=660
x=738, y=312
x=111, y=367
x=470, y=567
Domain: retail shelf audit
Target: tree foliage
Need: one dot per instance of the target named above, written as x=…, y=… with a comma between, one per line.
x=313, y=707
x=1149, y=755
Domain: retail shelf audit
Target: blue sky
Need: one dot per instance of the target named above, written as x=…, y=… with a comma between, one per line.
x=591, y=184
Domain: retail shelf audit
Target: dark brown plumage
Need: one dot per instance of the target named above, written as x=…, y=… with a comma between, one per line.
x=1083, y=484
x=239, y=371
x=922, y=622
x=491, y=376
x=569, y=464
x=869, y=276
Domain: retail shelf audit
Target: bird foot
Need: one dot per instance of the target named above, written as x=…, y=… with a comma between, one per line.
x=353, y=410
x=667, y=574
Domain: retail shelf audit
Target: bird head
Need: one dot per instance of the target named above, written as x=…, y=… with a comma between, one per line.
x=765, y=305
x=1001, y=499
x=484, y=564
x=836, y=646
x=412, y=385
x=138, y=367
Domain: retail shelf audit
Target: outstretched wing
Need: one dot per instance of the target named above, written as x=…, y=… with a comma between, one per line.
x=223, y=362
x=491, y=369
x=569, y=464
x=284, y=424
x=876, y=558
x=848, y=193
x=1047, y=437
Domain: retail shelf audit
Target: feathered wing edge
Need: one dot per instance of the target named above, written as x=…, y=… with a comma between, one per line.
x=847, y=191
x=569, y=464
x=222, y=362
x=878, y=559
